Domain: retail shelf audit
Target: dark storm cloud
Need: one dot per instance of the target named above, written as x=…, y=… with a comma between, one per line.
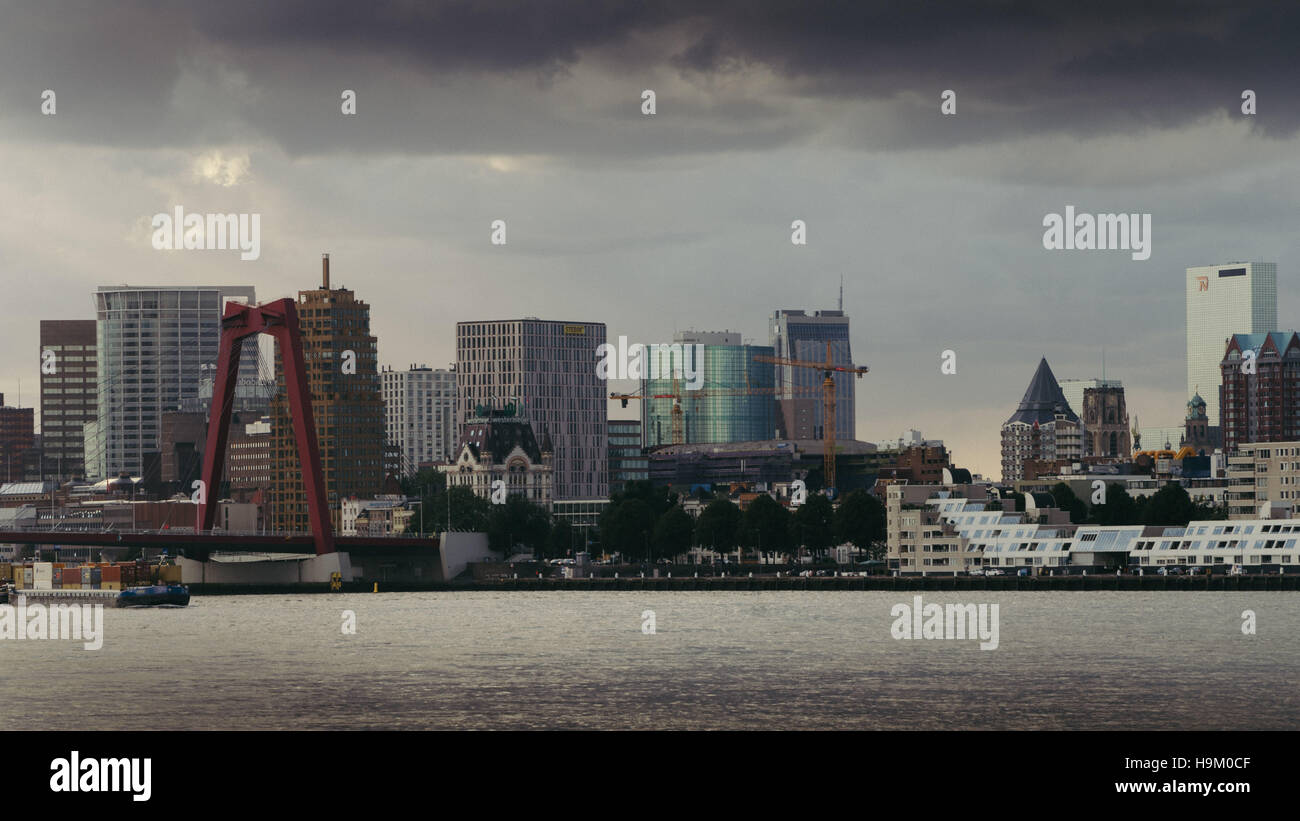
x=175, y=74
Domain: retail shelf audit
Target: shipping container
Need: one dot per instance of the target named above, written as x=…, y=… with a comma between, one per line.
x=112, y=574
x=111, y=586
x=71, y=575
x=71, y=585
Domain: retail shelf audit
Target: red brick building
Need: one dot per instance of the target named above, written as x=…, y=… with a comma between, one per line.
x=1260, y=393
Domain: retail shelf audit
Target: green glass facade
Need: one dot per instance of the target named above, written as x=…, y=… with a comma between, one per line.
x=719, y=410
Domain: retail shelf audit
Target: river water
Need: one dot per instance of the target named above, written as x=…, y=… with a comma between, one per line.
x=717, y=660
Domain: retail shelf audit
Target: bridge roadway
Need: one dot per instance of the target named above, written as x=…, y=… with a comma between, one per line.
x=201, y=545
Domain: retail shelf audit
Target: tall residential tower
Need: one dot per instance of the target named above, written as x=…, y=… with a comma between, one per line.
x=1222, y=301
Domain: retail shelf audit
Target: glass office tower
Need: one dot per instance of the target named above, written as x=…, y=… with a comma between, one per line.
x=734, y=400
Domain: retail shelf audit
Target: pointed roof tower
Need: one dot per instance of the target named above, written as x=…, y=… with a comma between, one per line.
x=1043, y=399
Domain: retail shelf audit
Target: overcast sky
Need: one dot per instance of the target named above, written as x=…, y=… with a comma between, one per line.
x=468, y=112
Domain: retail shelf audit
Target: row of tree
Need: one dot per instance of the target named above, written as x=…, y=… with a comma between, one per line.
x=1170, y=506
x=645, y=521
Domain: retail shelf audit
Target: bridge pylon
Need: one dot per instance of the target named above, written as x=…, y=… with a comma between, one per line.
x=279, y=319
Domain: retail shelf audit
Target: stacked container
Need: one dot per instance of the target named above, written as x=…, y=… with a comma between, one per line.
x=71, y=578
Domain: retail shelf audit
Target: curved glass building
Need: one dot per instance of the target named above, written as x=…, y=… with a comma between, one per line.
x=720, y=409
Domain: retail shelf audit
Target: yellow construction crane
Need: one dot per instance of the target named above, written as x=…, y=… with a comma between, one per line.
x=828, y=369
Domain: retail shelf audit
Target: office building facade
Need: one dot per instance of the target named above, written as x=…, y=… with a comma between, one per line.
x=151, y=346
x=796, y=335
x=627, y=461
x=549, y=370
x=420, y=415
x=1223, y=300
x=69, y=396
x=733, y=401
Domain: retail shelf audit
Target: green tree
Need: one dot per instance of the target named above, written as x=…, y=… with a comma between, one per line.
x=1066, y=500
x=766, y=525
x=718, y=525
x=814, y=523
x=561, y=539
x=469, y=511
x=672, y=534
x=860, y=521
x=1119, y=509
x=626, y=527
x=1172, y=507
x=517, y=522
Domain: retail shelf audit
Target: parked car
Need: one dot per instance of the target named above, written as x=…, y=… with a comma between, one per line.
x=976, y=571
x=1024, y=571
x=993, y=571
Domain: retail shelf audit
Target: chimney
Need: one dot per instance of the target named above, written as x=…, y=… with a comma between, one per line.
x=325, y=272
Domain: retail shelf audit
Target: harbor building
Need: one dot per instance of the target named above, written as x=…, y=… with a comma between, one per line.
x=420, y=415
x=963, y=529
x=733, y=402
x=347, y=405
x=151, y=345
x=794, y=334
x=548, y=370
x=1264, y=476
x=1223, y=300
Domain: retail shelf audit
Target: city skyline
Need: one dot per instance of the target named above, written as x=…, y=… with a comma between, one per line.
x=681, y=219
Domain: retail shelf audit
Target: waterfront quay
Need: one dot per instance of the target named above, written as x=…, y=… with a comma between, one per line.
x=1079, y=583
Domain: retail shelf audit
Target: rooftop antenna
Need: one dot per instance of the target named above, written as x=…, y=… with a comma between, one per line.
x=841, y=292
x=1103, y=365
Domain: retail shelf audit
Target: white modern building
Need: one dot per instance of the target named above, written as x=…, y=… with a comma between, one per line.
x=547, y=371
x=1222, y=300
x=949, y=533
x=420, y=414
x=153, y=344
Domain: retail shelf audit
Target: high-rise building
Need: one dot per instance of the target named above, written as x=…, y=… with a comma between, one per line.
x=721, y=408
x=420, y=415
x=627, y=461
x=17, y=436
x=549, y=369
x=1263, y=406
x=1043, y=429
x=151, y=346
x=1222, y=300
x=69, y=396
x=796, y=335
x=343, y=380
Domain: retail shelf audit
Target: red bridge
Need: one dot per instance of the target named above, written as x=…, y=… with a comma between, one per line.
x=279, y=319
